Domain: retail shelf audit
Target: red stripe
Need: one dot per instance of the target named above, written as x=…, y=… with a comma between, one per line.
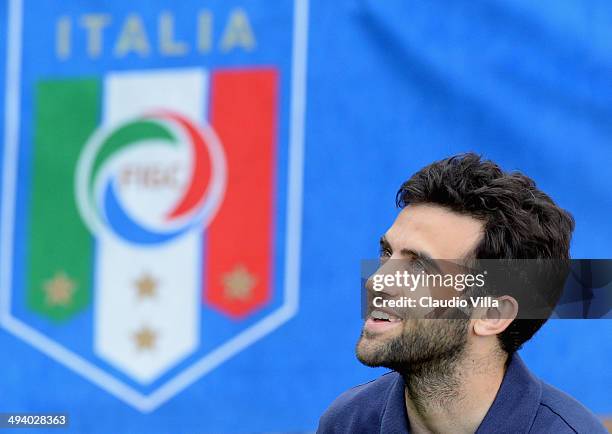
x=239, y=243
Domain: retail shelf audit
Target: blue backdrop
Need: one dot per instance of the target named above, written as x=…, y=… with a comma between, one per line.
x=390, y=87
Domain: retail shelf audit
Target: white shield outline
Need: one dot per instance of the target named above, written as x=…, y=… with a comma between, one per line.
x=83, y=367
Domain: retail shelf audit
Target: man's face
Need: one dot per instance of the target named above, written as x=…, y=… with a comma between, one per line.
x=419, y=231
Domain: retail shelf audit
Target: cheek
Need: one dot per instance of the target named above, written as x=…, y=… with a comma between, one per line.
x=419, y=296
x=412, y=326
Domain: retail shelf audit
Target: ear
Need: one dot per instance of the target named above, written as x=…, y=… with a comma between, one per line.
x=494, y=320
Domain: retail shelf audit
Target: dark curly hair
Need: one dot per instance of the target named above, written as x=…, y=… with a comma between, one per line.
x=520, y=221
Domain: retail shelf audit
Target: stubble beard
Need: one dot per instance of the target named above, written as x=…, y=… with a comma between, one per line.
x=426, y=354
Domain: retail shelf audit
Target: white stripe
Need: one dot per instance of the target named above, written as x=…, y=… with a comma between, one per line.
x=172, y=314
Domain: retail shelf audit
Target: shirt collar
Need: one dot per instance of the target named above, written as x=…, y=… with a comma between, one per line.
x=514, y=406
x=517, y=400
x=395, y=418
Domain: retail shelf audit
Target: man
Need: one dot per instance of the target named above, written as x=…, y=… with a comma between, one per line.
x=461, y=375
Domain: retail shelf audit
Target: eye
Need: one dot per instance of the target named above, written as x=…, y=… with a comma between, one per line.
x=385, y=252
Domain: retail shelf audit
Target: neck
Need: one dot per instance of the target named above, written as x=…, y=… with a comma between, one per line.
x=452, y=395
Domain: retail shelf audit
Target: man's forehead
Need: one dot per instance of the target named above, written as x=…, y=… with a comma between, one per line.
x=441, y=233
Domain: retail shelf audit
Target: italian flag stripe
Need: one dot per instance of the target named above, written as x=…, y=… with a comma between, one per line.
x=147, y=310
x=243, y=112
x=60, y=246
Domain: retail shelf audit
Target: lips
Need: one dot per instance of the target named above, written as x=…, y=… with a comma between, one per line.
x=382, y=319
x=380, y=314
x=385, y=312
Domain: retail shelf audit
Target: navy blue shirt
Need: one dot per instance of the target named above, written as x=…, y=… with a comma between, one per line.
x=524, y=404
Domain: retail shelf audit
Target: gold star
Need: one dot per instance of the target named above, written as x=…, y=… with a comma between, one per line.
x=146, y=286
x=145, y=338
x=59, y=289
x=239, y=283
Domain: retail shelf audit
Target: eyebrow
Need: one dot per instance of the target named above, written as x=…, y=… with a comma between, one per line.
x=418, y=254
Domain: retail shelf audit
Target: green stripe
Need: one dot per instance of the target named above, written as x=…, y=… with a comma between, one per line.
x=60, y=246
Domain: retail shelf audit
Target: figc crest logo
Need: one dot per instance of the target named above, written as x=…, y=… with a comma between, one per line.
x=97, y=197
x=151, y=205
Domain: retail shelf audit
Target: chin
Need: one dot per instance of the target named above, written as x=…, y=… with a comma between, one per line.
x=370, y=351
